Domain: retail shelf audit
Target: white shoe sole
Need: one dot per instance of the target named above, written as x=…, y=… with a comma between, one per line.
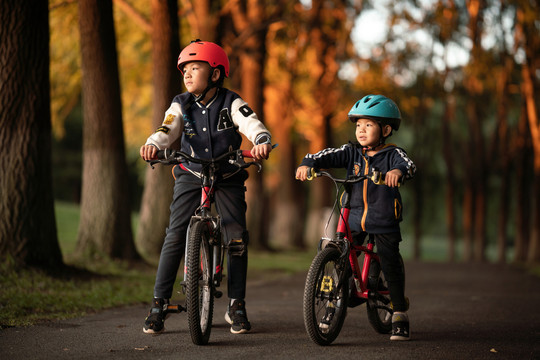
x=228, y=319
x=151, y=331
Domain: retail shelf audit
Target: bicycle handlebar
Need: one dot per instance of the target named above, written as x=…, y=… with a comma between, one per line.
x=173, y=157
x=374, y=175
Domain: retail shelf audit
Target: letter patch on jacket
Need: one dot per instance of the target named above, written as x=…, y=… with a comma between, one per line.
x=189, y=129
x=225, y=121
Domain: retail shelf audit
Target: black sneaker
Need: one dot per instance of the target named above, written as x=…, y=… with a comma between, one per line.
x=155, y=321
x=400, y=327
x=236, y=316
x=326, y=321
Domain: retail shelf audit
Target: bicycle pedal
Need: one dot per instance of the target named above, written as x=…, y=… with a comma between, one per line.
x=175, y=308
x=218, y=294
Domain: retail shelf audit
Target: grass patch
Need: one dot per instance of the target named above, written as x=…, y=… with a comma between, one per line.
x=30, y=295
x=272, y=264
x=67, y=222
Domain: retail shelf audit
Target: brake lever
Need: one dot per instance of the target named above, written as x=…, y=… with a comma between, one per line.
x=258, y=164
x=241, y=163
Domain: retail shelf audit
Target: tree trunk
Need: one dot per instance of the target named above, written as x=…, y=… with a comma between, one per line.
x=252, y=55
x=203, y=18
x=158, y=189
x=524, y=162
x=448, y=155
x=286, y=221
x=27, y=225
x=528, y=91
x=105, y=225
x=477, y=172
x=503, y=149
x=252, y=64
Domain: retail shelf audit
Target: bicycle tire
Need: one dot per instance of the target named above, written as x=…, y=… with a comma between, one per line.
x=199, y=288
x=379, y=318
x=321, y=293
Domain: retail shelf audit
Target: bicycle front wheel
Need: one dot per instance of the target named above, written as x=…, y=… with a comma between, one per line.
x=325, y=297
x=199, y=289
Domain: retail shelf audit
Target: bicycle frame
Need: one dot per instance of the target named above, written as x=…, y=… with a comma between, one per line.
x=168, y=157
x=336, y=280
x=343, y=233
x=204, y=214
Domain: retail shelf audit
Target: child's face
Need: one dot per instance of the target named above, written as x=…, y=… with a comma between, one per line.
x=196, y=76
x=368, y=132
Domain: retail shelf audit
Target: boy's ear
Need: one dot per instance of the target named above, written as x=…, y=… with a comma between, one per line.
x=387, y=130
x=216, y=74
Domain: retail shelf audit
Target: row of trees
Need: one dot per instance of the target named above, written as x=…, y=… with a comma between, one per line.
x=471, y=127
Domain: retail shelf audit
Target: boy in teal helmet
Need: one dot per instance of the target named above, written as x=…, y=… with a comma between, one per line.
x=375, y=209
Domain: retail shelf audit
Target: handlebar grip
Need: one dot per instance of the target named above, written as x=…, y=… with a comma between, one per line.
x=164, y=154
x=247, y=153
x=378, y=178
x=312, y=174
x=161, y=154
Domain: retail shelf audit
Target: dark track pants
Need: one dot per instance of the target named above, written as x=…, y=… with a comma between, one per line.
x=231, y=206
x=387, y=247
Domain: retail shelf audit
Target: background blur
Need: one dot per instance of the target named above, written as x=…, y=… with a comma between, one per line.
x=465, y=75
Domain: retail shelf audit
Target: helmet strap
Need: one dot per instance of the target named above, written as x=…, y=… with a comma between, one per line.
x=382, y=140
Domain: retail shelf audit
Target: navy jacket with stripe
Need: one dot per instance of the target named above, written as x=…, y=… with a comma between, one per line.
x=208, y=131
x=375, y=209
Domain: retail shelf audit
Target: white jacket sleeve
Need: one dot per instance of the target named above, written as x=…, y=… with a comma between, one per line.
x=170, y=130
x=247, y=121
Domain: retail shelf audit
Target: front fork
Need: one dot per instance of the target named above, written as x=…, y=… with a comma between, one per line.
x=216, y=244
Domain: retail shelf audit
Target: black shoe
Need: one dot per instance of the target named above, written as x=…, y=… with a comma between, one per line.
x=326, y=321
x=400, y=327
x=236, y=316
x=155, y=321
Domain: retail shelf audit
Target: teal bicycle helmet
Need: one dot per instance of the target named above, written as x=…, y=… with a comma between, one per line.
x=378, y=108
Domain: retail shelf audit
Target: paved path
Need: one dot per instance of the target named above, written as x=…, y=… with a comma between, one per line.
x=458, y=311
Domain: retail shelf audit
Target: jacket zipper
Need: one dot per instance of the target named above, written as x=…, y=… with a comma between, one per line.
x=365, y=185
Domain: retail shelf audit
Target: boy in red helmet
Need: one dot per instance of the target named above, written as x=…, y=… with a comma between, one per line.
x=208, y=119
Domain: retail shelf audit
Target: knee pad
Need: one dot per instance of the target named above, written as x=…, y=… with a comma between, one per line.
x=238, y=247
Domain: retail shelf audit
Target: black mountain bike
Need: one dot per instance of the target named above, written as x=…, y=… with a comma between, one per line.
x=203, y=270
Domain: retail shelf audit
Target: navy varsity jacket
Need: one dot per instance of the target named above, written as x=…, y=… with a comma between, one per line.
x=377, y=208
x=209, y=131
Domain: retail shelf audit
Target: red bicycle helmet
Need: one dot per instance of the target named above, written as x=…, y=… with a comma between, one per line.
x=204, y=51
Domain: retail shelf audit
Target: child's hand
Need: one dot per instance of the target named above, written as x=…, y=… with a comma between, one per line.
x=392, y=178
x=303, y=172
x=261, y=151
x=148, y=152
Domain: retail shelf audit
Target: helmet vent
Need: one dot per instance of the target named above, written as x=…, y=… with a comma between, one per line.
x=374, y=104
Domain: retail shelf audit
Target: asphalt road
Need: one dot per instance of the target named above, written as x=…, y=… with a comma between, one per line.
x=458, y=311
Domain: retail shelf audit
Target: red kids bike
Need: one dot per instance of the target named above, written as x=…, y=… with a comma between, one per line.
x=336, y=280
x=205, y=250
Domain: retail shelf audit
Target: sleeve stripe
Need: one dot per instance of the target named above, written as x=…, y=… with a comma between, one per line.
x=326, y=152
x=411, y=168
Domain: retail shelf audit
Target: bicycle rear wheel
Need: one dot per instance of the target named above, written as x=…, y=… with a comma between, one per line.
x=325, y=297
x=199, y=289
x=378, y=307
